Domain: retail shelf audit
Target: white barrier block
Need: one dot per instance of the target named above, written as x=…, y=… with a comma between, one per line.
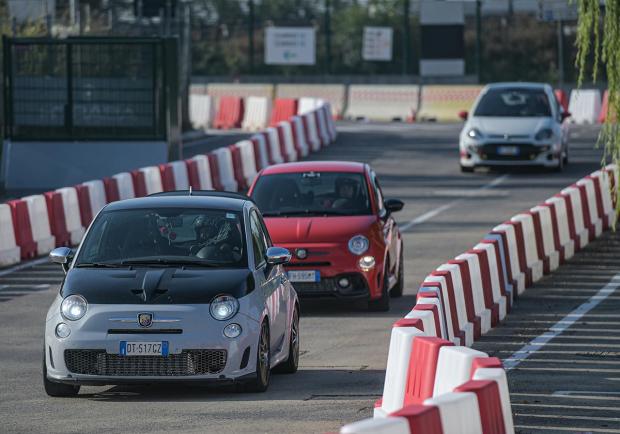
x=595, y=219
x=307, y=104
x=9, y=250
x=428, y=321
x=300, y=135
x=584, y=106
x=313, y=133
x=581, y=231
x=96, y=193
x=201, y=111
x=529, y=242
x=331, y=124
x=263, y=150
x=454, y=368
x=504, y=261
x=480, y=309
x=71, y=208
x=274, y=145
x=401, y=343
x=124, y=181
x=389, y=425
x=440, y=312
x=515, y=269
x=324, y=134
x=179, y=172
x=602, y=177
x=459, y=295
x=40, y=223
x=498, y=298
x=447, y=310
x=289, y=141
x=257, y=113
x=152, y=179
x=204, y=172
x=563, y=229
x=227, y=171
x=248, y=162
x=499, y=376
x=459, y=412
x=546, y=225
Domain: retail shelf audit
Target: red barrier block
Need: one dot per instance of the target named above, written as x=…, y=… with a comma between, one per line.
x=229, y=113
x=422, y=369
x=489, y=404
x=22, y=229
x=86, y=213
x=167, y=177
x=500, y=272
x=257, y=153
x=469, y=296
x=487, y=286
x=283, y=109
x=452, y=303
x=422, y=419
x=56, y=214
x=214, y=167
x=192, y=174
x=562, y=99
x=139, y=183
x=521, y=251
x=410, y=322
x=237, y=161
x=485, y=362
x=111, y=190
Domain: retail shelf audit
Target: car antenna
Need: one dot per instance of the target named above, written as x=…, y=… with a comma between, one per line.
x=190, y=190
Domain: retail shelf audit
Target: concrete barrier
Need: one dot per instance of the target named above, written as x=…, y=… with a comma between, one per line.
x=257, y=113
x=71, y=208
x=9, y=250
x=584, y=106
x=444, y=103
x=226, y=169
x=40, y=223
x=124, y=183
x=201, y=111
x=332, y=93
x=459, y=412
x=382, y=103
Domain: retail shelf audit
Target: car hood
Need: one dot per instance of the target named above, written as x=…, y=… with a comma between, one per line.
x=509, y=126
x=291, y=230
x=156, y=285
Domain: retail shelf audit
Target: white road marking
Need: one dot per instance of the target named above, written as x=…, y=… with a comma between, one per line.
x=580, y=397
x=573, y=430
x=583, y=392
x=566, y=322
x=558, y=416
x=434, y=212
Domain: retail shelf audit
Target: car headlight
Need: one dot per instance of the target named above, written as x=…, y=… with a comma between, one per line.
x=366, y=263
x=358, y=244
x=544, y=134
x=73, y=307
x=474, y=133
x=223, y=307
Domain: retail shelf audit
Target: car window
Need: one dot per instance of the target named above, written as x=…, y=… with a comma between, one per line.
x=203, y=236
x=514, y=102
x=312, y=194
x=378, y=193
x=259, y=244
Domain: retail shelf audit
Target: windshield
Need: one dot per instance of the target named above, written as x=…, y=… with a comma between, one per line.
x=312, y=194
x=166, y=236
x=518, y=102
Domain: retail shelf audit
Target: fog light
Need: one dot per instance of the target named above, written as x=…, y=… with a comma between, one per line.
x=343, y=282
x=62, y=330
x=367, y=262
x=232, y=330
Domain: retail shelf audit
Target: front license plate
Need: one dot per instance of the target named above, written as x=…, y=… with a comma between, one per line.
x=144, y=348
x=304, y=276
x=508, y=150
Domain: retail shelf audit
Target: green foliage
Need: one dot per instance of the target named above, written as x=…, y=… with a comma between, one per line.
x=607, y=53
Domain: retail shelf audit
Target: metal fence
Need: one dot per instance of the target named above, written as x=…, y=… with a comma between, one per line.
x=87, y=88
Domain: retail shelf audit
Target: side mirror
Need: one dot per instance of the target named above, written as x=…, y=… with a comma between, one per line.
x=564, y=115
x=62, y=256
x=277, y=256
x=463, y=114
x=393, y=205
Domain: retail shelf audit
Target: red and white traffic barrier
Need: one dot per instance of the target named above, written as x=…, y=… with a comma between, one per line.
x=9, y=250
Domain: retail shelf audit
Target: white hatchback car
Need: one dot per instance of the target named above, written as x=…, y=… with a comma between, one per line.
x=514, y=124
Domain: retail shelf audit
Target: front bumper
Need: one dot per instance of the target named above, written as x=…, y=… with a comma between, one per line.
x=200, y=352
x=529, y=154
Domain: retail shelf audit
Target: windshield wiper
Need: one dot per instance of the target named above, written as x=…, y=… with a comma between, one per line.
x=98, y=265
x=166, y=262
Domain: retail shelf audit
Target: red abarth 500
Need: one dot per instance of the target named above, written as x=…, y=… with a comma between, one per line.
x=334, y=219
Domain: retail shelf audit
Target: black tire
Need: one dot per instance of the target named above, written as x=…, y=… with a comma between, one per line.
x=397, y=290
x=292, y=362
x=381, y=304
x=466, y=169
x=560, y=166
x=566, y=156
x=260, y=382
x=57, y=389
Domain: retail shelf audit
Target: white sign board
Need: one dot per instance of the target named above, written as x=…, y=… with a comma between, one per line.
x=377, y=43
x=290, y=46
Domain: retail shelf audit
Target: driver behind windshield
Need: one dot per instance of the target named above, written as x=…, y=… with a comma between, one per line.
x=217, y=239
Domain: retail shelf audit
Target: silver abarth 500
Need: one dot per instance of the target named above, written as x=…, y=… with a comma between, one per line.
x=177, y=286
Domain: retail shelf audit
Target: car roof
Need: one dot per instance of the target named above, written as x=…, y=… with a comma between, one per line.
x=172, y=200
x=315, y=166
x=516, y=84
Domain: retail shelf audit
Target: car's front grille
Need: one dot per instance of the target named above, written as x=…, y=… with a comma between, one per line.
x=527, y=152
x=189, y=362
x=329, y=286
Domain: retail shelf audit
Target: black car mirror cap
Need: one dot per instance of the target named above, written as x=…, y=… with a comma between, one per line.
x=277, y=256
x=393, y=205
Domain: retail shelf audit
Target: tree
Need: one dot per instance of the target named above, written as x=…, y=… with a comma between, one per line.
x=602, y=44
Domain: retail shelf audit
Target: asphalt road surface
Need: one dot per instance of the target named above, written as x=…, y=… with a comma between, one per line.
x=344, y=348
